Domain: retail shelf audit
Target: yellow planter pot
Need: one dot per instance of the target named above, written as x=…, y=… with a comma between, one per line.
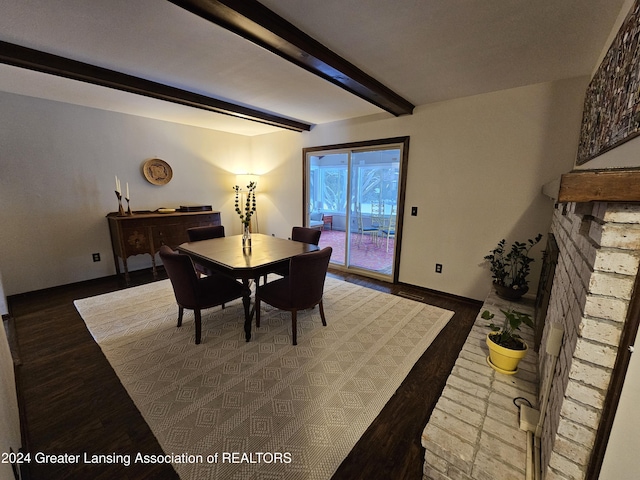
x=504, y=360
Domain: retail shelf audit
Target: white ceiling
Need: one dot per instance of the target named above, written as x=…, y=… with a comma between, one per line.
x=424, y=50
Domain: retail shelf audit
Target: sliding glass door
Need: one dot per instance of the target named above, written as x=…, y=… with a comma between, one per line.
x=355, y=193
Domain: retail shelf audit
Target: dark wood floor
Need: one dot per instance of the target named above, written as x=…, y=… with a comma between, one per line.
x=74, y=402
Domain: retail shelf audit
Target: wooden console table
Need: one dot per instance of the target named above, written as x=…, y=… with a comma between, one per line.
x=146, y=232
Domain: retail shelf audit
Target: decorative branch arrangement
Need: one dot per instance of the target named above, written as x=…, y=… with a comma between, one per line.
x=249, y=206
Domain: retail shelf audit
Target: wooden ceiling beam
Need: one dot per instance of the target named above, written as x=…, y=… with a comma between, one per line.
x=256, y=23
x=600, y=186
x=31, y=59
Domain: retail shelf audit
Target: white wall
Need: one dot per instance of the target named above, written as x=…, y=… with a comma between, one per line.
x=621, y=461
x=57, y=168
x=476, y=168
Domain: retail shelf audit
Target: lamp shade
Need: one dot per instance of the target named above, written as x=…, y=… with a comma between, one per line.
x=243, y=180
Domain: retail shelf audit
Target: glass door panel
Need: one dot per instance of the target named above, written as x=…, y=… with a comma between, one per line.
x=328, y=200
x=355, y=193
x=374, y=194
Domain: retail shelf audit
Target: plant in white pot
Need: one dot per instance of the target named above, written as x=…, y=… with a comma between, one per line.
x=506, y=347
x=510, y=268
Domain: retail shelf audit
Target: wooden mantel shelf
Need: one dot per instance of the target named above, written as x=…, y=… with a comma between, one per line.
x=600, y=186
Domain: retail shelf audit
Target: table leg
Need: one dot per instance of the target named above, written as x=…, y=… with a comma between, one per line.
x=246, y=301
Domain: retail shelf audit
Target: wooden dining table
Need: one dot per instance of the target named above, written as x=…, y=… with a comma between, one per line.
x=226, y=255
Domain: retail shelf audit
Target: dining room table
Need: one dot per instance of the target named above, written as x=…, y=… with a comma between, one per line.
x=229, y=256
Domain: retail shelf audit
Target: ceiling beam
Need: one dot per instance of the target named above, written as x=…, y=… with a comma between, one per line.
x=256, y=23
x=24, y=57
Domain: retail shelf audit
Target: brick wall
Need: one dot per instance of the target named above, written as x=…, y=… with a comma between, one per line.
x=599, y=256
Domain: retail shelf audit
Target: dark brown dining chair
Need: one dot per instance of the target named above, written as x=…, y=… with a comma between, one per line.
x=299, y=234
x=306, y=235
x=196, y=234
x=300, y=290
x=195, y=293
x=204, y=233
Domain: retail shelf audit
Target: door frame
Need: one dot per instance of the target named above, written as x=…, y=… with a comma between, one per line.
x=404, y=161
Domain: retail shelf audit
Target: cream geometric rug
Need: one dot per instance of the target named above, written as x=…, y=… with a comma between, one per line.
x=265, y=409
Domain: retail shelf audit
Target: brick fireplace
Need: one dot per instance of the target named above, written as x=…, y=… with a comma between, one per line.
x=592, y=298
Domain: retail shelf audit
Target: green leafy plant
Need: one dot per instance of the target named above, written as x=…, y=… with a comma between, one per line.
x=250, y=203
x=506, y=334
x=510, y=268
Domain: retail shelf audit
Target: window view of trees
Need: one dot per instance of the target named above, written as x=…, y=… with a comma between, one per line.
x=334, y=189
x=373, y=182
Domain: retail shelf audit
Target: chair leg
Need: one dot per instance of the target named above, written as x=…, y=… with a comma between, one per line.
x=257, y=313
x=294, y=326
x=198, y=316
x=180, y=314
x=321, y=308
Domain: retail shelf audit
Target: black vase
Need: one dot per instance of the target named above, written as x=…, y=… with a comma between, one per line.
x=509, y=293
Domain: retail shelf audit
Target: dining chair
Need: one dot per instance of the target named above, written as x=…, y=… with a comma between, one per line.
x=196, y=293
x=197, y=234
x=299, y=234
x=306, y=235
x=300, y=290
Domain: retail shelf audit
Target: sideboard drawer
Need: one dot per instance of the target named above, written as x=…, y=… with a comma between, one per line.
x=171, y=235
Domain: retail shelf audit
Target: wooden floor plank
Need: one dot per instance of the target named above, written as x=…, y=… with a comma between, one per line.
x=75, y=403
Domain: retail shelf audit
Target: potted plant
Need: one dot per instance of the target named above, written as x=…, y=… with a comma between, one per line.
x=506, y=347
x=510, y=268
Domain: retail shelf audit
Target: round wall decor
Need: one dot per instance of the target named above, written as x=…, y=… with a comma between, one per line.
x=156, y=171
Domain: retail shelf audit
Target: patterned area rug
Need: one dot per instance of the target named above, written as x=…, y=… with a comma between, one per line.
x=265, y=409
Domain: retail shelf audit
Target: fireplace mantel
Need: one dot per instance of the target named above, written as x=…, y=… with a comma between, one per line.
x=600, y=186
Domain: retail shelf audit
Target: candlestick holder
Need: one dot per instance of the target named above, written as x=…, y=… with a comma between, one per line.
x=120, y=209
x=129, y=212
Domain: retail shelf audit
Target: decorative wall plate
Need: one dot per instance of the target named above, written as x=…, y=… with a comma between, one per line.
x=157, y=171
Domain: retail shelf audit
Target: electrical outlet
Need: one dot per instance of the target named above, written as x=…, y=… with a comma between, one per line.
x=414, y=211
x=438, y=268
x=96, y=257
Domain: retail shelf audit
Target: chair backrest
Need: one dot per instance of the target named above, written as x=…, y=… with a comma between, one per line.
x=307, y=273
x=377, y=214
x=306, y=235
x=390, y=221
x=183, y=276
x=204, y=233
